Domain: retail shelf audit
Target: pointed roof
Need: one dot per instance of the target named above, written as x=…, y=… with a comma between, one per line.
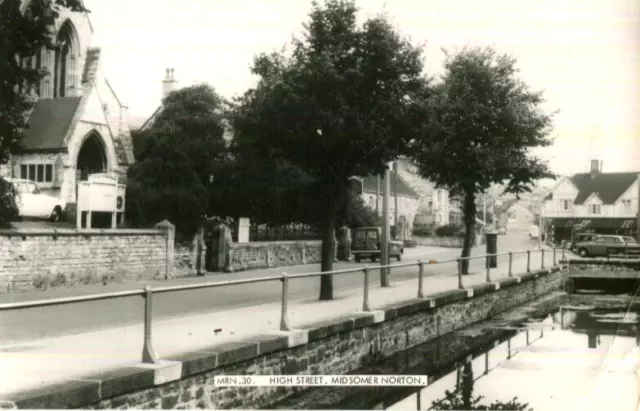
x=608, y=186
x=370, y=185
x=91, y=65
x=49, y=123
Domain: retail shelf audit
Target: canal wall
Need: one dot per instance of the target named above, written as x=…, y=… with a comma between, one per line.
x=331, y=347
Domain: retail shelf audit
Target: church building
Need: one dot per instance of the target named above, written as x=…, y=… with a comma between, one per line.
x=78, y=126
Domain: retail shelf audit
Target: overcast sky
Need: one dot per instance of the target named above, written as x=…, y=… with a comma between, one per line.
x=585, y=55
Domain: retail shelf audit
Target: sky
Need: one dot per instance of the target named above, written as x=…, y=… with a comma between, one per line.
x=584, y=55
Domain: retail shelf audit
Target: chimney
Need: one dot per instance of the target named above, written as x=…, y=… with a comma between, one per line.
x=595, y=168
x=169, y=83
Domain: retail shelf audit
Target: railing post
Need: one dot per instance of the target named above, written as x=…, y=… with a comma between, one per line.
x=486, y=363
x=284, y=317
x=148, y=353
x=488, y=268
x=509, y=348
x=510, y=264
x=420, y=278
x=563, y=256
x=528, y=261
x=460, y=286
x=542, y=258
x=365, y=302
x=555, y=261
x=527, y=336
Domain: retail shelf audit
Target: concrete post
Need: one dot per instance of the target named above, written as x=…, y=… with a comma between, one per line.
x=170, y=234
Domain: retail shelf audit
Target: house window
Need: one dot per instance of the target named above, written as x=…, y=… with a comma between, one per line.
x=565, y=204
x=595, y=209
x=40, y=173
x=371, y=202
x=627, y=205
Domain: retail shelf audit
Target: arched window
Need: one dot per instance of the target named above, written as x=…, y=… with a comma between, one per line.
x=64, y=60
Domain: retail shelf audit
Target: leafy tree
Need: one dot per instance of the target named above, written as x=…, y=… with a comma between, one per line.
x=25, y=28
x=342, y=104
x=483, y=122
x=179, y=158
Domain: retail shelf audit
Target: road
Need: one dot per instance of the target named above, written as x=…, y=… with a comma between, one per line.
x=24, y=325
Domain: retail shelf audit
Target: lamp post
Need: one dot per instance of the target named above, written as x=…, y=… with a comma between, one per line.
x=384, y=241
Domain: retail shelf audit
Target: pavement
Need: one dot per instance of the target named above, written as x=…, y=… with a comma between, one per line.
x=29, y=360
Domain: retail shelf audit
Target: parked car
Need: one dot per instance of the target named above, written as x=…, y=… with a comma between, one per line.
x=366, y=244
x=502, y=231
x=32, y=203
x=581, y=238
x=606, y=245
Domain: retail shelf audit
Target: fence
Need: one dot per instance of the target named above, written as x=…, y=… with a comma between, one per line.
x=148, y=354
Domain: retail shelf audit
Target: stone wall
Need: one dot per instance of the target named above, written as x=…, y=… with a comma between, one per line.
x=449, y=242
x=38, y=259
x=331, y=347
x=260, y=255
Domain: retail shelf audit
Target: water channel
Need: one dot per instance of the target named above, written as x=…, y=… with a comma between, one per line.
x=556, y=353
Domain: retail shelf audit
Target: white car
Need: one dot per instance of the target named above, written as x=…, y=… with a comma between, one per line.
x=534, y=232
x=33, y=204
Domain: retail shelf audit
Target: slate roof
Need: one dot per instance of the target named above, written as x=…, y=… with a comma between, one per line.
x=49, y=123
x=370, y=183
x=608, y=186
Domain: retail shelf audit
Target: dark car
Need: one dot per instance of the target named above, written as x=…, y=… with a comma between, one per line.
x=581, y=238
x=606, y=245
x=366, y=244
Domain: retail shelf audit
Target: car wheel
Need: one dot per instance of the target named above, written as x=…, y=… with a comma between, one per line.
x=357, y=258
x=399, y=257
x=583, y=252
x=55, y=215
x=373, y=258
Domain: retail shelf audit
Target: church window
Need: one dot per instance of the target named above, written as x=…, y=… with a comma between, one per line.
x=40, y=173
x=63, y=73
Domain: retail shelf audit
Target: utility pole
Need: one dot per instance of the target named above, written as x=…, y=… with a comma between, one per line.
x=384, y=243
x=395, y=194
x=378, y=197
x=484, y=209
x=540, y=230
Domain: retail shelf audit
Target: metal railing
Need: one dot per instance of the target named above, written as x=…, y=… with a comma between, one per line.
x=148, y=353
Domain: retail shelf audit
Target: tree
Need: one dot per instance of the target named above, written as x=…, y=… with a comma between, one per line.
x=25, y=28
x=483, y=121
x=182, y=153
x=343, y=103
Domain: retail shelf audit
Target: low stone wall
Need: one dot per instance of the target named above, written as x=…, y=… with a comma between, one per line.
x=260, y=255
x=330, y=347
x=38, y=259
x=453, y=242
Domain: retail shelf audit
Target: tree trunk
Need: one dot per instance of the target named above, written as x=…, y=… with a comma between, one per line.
x=467, y=386
x=328, y=249
x=470, y=225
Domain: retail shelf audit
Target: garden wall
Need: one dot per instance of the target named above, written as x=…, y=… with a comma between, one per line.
x=42, y=258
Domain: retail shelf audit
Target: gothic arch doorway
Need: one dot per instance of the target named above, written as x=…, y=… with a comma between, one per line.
x=92, y=157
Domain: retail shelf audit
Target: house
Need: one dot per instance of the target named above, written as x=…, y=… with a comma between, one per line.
x=408, y=200
x=435, y=208
x=606, y=203
x=78, y=125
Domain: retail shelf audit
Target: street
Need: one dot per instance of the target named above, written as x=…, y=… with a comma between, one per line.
x=30, y=324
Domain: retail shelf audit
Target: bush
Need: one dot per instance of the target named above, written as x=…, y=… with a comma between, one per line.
x=450, y=230
x=410, y=243
x=8, y=205
x=422, y=231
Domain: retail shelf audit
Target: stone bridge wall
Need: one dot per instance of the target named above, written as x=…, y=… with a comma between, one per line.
x=330, y=347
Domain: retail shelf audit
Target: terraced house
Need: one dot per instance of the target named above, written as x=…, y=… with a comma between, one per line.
x=604, y=203
x=78, y=125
